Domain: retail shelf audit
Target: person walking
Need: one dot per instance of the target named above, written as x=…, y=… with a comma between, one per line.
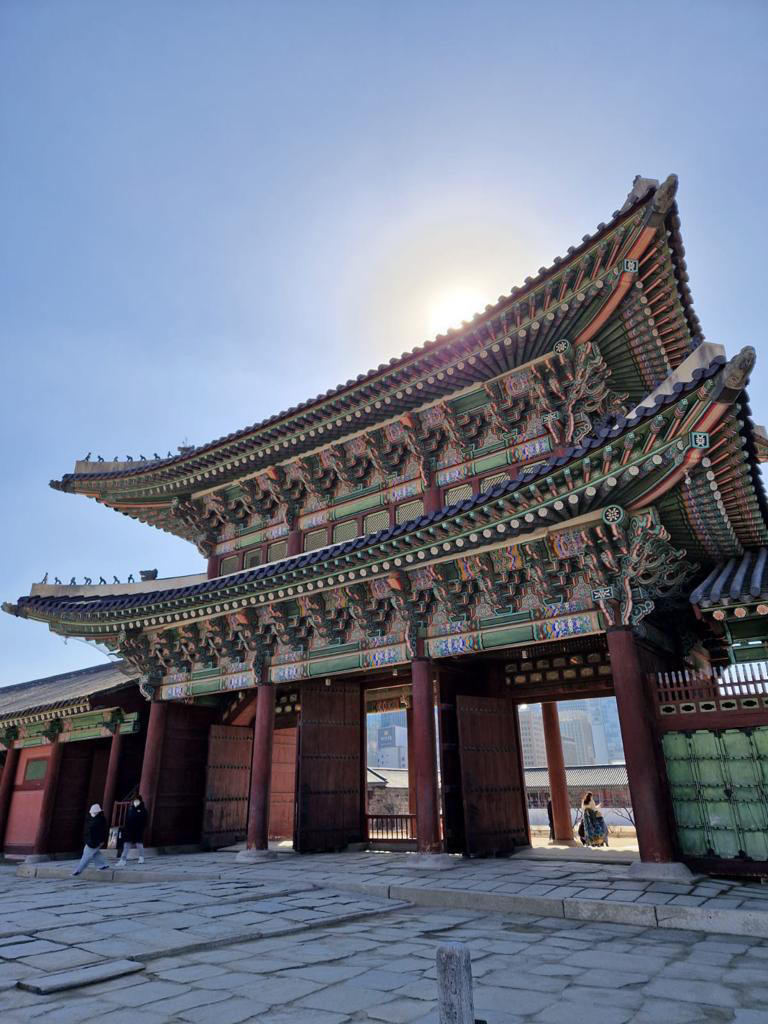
x=595, y=829
x=550, y=820
x=95, y=836
x=133, y=831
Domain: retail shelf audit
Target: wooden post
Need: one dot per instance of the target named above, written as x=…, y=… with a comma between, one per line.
x=454, y=984
x=647, y=786
x=432, y=502
x=6, y=788
x=150, y=769
x=411, y=761
x=113, y=766
x=294, y=543
x=48, y=805
x=213, y=566
x=425, y=758
x=558, y=785
x=261, y=769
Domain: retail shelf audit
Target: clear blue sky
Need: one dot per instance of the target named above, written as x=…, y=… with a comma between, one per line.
x=213, y=210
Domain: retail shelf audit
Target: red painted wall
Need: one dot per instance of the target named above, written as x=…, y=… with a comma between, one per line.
x=26, y=801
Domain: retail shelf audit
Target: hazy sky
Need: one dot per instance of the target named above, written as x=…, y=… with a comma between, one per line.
x=213, y=210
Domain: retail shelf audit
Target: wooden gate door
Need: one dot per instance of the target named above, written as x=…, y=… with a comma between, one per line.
x=282, y=793
x=493, y=788
x=330, y=773
x=227, y=784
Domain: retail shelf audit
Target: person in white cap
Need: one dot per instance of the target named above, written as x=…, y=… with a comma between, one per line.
x=95, y=836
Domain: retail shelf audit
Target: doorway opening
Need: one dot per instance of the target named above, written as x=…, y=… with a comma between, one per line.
x=390, y=808
x=593, y=759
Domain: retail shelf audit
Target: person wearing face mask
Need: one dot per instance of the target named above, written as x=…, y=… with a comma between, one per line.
x=95, y=836
x=133, y=831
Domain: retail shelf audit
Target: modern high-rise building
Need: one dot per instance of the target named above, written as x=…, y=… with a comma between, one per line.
x=575, y=725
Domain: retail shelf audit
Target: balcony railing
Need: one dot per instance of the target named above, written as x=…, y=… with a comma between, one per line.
x=393, y=828
x=737, y=687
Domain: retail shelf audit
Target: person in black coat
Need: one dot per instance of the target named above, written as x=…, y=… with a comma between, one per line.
x=133, y=831
x=96, y=833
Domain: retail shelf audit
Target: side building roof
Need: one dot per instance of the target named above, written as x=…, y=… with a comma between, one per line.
x=67, y=690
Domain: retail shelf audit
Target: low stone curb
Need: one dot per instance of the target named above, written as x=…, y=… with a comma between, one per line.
x=726, y=921
x=139, y=874
x=698, y=919
x=80, y=976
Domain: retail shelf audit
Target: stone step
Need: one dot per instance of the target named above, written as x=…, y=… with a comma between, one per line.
x=80, y=976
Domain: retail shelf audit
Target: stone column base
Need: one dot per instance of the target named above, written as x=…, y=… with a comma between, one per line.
x=665, y=871
x=431, y=861
x=254, y=856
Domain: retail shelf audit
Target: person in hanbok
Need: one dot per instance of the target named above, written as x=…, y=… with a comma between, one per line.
x=595, y=829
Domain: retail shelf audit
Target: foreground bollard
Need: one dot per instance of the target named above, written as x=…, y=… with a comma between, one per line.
x=454, y=984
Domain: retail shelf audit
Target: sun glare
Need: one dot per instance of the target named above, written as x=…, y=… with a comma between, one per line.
x=449, y=308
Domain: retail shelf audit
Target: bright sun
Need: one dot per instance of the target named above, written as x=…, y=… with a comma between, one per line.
x=449, y=308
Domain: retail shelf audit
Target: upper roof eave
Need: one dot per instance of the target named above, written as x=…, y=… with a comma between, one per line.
x=658, y=199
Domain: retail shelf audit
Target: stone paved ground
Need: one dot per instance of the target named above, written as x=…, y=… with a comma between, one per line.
x=584, y=875
x=277, y=944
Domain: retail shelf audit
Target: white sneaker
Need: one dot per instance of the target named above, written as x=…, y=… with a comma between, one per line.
x=141, y=860
x=120, y=863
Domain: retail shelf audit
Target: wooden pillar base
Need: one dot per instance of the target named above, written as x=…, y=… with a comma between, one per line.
x=48, y=806
x=425, y=758
x=150, y=769
x=261, y=770
x=558, y=784
x=6, y=788
x=113, y=767
x=647, y=784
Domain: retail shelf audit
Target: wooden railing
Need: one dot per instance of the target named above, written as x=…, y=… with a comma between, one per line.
x=746, y=680
x=391, y=827
x=119, y=813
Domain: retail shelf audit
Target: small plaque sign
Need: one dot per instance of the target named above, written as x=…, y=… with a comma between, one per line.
x=699, y=439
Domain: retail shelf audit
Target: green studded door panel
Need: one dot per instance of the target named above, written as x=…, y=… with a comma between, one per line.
x=719, y=785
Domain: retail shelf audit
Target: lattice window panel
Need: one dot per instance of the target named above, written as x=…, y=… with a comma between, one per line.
x=316, y=539
x=457, y=494
x=252, y=558
x=409, y=510
x=277, y=551
x=376, y=521
x=345, y=531
x=493, y=481
x=229, y=565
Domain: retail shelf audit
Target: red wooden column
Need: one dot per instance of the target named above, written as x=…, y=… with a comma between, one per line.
x=150, y=769
x=6, y=788
x=647, y=786
x=48, y=806
x=113, y=765
x=558, y=785
x=294, y=543
x=432, y=502
x=261, y=769
x=425, y=758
